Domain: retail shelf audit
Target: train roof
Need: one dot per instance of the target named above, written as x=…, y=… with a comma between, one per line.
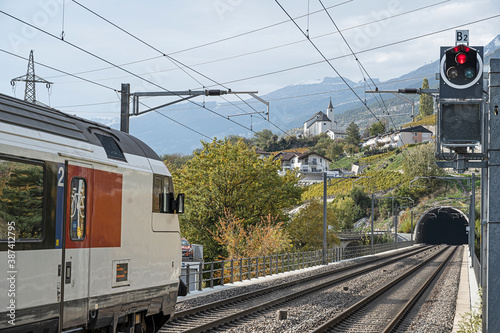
x=21, y=113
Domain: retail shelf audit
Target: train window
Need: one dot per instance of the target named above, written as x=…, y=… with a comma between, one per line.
x=21, y=200
x=110, y=146
x=161, y=185
x=78, y=204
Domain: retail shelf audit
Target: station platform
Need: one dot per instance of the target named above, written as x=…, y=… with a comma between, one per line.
x=468, y=290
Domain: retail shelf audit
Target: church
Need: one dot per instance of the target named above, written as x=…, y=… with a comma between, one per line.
x=323, y=123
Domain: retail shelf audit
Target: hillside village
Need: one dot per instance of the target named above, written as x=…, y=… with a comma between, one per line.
x=310, y=162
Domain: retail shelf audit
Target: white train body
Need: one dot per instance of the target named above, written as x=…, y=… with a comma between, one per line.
x=90, y=244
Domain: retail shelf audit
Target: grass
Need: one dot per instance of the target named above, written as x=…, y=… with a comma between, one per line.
x=345, y=163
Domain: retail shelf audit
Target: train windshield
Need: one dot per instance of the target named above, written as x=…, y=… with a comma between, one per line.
x=161, y=185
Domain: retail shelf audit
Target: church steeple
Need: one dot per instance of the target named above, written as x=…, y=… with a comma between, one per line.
x=330, y=106
x=329, y=111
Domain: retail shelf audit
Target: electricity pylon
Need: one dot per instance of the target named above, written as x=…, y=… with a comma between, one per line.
x=30, y=78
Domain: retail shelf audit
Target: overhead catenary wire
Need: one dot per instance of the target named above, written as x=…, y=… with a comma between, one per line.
x=176, y=62
x=60, y=71
x=262, y=50
x=390, y=43
x=178, y=122
x=363, y=69
x=121, y=68
x=100, y=85
x=362, y=51
x=327, y=61
x=179, y=64
x=270, y=100
x=103, y=86
x=360, y=64
x=253, y=31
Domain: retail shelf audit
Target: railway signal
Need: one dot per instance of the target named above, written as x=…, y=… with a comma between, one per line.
x=461, y=72
x=460, y=118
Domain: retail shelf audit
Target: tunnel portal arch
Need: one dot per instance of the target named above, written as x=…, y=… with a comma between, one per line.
x=442, y=225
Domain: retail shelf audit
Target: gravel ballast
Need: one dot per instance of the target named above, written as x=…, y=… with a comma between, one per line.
x=306, y=313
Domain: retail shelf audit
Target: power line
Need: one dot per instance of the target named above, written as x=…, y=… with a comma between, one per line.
x=103, y=86
x=60, y=71
x=327, y=61
x=255, y=30
x=362, y=51
x=123, y=69
x=271, y=99
x=174, y=61
x=261, y=50
x=178, y=122
x=359, y=63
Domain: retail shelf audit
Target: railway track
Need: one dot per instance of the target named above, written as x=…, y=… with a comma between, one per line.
x=384, y=309
x=231, y=310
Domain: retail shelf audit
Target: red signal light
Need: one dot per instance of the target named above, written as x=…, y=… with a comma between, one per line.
x=459, y=48
x=461, y=58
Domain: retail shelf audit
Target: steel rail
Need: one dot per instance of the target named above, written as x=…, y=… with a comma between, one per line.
x=204, y=310
x=371, y=297
x=398, y=319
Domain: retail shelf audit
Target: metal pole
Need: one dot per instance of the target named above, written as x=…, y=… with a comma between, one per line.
x=396, y=227
x=492, y=291
x=373, y=198
x=125, y=107
x=472, y=217
x=411, y=226
x=324, y=218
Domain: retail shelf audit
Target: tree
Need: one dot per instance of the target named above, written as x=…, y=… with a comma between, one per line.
x=377, y=128
x=262, y=239
x=420, y=162
x=174, y=161
x=261, y=138
x=323, y=145
x=366, y=132
x=362, y=200
x=231, y=176
x=346, y=211
x=306, y=227
x=352, y=134
x=336, y=149
x=426, y=107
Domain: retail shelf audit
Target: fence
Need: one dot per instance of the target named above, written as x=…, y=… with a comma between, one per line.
x=210, y=274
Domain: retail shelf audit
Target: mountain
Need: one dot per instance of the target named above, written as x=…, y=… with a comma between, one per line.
x=493, y=45
x=290, y=106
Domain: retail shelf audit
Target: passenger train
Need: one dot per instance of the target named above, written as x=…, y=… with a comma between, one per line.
x=89, y=230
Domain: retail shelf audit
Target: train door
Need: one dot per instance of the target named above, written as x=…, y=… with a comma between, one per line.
x=79, y=185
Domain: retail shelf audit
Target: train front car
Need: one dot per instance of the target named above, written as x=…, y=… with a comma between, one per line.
x=89, y=231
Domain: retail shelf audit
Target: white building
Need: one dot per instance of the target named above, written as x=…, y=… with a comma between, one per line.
x=323, y=123
x=308, y=162
x=415, y=134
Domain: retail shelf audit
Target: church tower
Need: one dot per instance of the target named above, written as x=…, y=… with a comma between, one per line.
x=329, y=112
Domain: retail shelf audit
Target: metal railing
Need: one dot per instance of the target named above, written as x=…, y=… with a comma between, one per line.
x=198, y=276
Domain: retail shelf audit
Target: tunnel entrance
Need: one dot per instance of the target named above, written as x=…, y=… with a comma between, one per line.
x=442, y=225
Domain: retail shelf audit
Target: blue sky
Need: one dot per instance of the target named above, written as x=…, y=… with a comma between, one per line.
x=233, y=42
